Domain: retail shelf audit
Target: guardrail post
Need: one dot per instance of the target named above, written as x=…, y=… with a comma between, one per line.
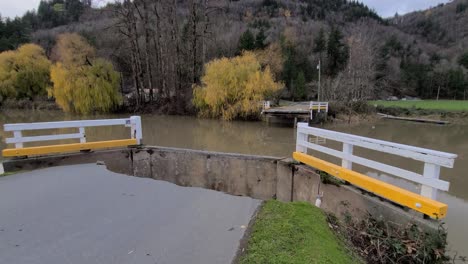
x=301, y=137
x=347, y=150
x=135, y=126
x=17, y=135
x=83, y=135
x=431, y=171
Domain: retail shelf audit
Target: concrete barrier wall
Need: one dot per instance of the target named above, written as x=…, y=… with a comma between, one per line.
x=259, y=177
x=236, y=174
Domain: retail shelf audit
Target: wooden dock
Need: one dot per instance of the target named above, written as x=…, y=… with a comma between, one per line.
x=299, y=109
x=305, y=111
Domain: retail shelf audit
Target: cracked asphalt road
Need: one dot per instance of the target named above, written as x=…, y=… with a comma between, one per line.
x=87, y=214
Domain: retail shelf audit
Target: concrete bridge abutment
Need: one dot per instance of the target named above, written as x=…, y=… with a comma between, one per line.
x=259, y=177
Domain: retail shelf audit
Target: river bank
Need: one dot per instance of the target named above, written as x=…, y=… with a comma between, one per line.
x=298, y=232
x=448, y=110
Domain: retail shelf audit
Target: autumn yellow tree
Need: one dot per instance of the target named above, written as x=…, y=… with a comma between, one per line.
x=273, y=57
x=82, y=83
x=24, y=73
x=234, y=87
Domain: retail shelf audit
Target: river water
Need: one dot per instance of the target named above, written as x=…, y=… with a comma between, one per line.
x=273, y=140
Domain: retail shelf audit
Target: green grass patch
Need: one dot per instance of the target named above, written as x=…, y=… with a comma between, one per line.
x=9, y=173
x=294, y=232
x=446, y=105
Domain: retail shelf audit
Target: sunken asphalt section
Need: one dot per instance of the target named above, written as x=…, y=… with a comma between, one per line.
x=87, y=214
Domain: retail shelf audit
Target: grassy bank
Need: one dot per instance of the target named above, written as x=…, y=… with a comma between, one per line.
x=445, y=105
x=8, y=173
x=294, y=233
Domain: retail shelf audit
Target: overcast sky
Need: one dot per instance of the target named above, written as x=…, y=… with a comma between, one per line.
x=385, y=8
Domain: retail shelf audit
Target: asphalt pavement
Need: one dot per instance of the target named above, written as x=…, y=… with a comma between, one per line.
x=87, y=214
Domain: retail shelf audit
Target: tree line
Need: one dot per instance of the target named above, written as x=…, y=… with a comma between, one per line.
x=78, y=80
x=49, y=14
x=161, y=49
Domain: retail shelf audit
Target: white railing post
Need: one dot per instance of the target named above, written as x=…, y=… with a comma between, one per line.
x=301, y=137
x=17, y=135
x=347, y=150
x=311, y=107
x=431, y=171
x=83, y=135
x=135, y=126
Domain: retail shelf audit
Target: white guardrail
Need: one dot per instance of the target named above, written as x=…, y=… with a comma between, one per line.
x=266, y=105
x=432, y=159
x=133, y=122
x=319, y=106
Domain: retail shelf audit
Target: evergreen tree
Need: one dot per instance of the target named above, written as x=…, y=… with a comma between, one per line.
x=456, y=83
x=246, y=41
x=463, y=60
x=289, y=65
x=299, y=86
x=74, y=9
x=337, y=52
x=260, y=40
x=13, y=33
x=320, y=43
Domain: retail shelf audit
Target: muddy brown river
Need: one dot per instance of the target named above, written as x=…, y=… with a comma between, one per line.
x=274, y=140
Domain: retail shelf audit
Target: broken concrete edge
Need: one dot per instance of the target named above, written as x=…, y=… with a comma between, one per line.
x=259, y=177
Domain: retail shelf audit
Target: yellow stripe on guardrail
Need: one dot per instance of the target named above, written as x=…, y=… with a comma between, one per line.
x=63, y=148
x=393, y=193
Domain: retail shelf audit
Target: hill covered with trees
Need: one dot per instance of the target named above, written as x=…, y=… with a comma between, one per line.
x=160, y=48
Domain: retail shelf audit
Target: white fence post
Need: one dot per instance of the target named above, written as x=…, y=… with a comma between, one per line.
x=347, y=150
x=431, y=171
x=135, y=126
x=83, y=135
x=301, y=137
x=17, y=135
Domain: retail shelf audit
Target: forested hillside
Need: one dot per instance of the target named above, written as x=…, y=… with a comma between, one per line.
x=160, y=48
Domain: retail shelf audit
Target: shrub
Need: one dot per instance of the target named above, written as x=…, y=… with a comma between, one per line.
x=24, y=73
x=234, y=87
x=378, y=241
x=81, y=82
